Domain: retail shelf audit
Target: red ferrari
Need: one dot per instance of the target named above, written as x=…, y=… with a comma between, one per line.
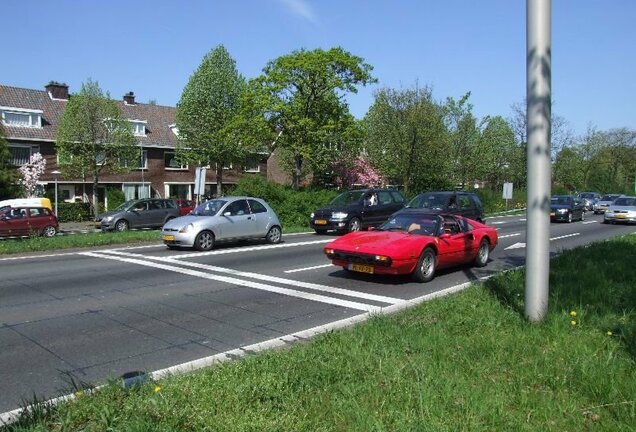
x=416, y=243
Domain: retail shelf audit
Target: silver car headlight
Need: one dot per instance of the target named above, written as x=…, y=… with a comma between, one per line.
x=107, y=219
x=339, y=215
x=562, y=210
x=311, y=215
x=186, y=229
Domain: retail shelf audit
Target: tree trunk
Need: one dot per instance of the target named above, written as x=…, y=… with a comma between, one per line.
x=297, y=172
x=219, y=180
x=95, y=202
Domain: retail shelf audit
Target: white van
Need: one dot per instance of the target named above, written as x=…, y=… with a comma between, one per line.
x=22, y=202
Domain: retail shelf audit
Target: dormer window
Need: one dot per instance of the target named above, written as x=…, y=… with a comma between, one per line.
x=138, y=127
x=174, y=129
x=21, y=117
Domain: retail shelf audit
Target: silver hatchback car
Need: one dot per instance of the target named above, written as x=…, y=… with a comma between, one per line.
x=227, y=218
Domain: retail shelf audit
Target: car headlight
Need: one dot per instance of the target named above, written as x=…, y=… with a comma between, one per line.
x=186, y=229
x=311, y=215
x=107, y=219
x=339, y=215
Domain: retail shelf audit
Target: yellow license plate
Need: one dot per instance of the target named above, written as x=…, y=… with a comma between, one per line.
x=320, y=222
x=619, y=216
x=361, y=268
x=552, y=214
x=168, y=238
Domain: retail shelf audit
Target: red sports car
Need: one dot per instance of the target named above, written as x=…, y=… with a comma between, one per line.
x=416, y=243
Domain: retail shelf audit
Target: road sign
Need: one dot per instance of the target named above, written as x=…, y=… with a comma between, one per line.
x=507, y=191
x=199, y=181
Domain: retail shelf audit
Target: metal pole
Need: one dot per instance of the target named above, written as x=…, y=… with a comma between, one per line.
x=56, y=196
x=539, y=73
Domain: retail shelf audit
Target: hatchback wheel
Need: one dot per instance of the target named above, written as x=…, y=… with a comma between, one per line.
x=49, y=231
x=354, y=225
x=121, y=225
x=425, y=270
x=582, y=216
x=274, y=235
x=570, y=217
x=204, y=241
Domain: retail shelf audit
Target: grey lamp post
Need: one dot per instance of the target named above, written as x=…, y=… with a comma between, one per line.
x=56, y=173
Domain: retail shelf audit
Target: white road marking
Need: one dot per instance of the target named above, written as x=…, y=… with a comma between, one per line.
x=250, y=249
x=589, y=222
x=274, y=279
x=522, y=245
x=509, y=235
x=308, y=268
x=37, y=256
x=240, y=282
x=499, y=223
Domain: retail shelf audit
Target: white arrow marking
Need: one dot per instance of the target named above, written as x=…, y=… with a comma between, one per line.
x=522, y=245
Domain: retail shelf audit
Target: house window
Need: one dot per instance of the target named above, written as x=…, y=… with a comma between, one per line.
x=252, y=165
x=138, y=127
x=174, y=129
x=136, y=191
x=141, y=163
x=170, y=162
x=21, y=155
x=21, y=117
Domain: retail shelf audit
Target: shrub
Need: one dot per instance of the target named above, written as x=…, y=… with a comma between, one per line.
x=115, y=197
x=73, y=212
x=494, y=203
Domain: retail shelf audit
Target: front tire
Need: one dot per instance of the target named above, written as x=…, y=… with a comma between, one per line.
x=425, y=270
x=274, y=235
x=121, y=225
x=204, y=241
x=570, y=217
x=49, y=231
x=483, y=253
x=354, y=225
x=582, y=216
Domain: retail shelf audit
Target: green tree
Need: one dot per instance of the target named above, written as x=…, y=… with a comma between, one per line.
x=498, y=152
x=8, y=174
x=308, y=112
x=93, y=138
x=213, y=124
x=407, y=140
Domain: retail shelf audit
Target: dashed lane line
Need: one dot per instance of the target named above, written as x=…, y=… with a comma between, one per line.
x=239, y=282
x=308, y=268
x=273, y=279
x=251, y=249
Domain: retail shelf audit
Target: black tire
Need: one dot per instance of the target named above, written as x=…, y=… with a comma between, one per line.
x=605, y=221
x=582, y=216
x=204, y=241
x=483, y=253
x=570, y=217
x=425, y=270
x=320, y=231
x=49, y=231
x=121, y=225
x=274, y=235
x=354, y=225
x=172, y=247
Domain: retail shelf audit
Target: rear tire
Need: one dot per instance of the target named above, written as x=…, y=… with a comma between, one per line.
x=483, y=253
x=49, y=231
x=274, y=235
x=204, y=241
x=425, y=270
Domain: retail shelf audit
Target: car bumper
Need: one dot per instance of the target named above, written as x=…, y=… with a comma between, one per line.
x=172, y=238
x=619, y=218
x=558, y=216
x=397, y=267
x=329, y=224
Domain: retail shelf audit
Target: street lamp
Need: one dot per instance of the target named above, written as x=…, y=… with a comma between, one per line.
x=56, y=173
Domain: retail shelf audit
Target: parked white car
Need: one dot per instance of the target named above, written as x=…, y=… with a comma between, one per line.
x=622, y=210
x=227, y=218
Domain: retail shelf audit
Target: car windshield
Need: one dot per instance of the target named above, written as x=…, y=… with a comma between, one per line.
x=625, y=201
x=209, y=208
x=428, y=201
x=125, y=206
x=609, y=197
x=561, y=200
x=587, y=195
x=411, y=223
x=351, y=197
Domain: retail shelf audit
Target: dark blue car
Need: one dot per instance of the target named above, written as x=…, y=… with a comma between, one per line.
x=566, y=208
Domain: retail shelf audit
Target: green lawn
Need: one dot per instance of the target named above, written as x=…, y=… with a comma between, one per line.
x=467, y=362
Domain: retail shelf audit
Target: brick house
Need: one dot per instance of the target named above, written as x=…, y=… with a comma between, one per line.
x=31, y=118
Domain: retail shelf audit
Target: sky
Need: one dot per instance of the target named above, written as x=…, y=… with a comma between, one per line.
x=152, y=47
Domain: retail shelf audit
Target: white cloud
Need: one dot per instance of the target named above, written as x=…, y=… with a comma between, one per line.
x=301, y=8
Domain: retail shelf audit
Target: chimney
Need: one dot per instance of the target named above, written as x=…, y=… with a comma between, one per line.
x=57, y=90
x=129, y=98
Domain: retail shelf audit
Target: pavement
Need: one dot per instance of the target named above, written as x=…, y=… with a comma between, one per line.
x=78, y=227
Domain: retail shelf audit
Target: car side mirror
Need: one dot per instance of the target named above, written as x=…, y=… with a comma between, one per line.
x=227, y=214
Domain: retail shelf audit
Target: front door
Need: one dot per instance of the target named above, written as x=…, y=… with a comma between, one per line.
x=238, y=220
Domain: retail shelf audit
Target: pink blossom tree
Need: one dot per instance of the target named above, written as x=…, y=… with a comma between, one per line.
x=31, y=173
x=358, y=172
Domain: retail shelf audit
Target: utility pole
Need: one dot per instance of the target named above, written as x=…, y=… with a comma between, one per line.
x=538, y=90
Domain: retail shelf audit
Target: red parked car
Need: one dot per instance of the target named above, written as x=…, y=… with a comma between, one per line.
x=27, y=220
x=415, y=243
x=185, y=206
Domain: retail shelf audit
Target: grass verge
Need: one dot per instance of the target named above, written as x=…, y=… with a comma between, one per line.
x=468, y=362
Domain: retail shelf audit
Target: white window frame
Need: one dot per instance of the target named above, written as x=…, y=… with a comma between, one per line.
x=35, y=116
x=174, y=129
x=169, y=168
x=143, y=159
x=32, y=150
x=253, y=169
x=138, y=127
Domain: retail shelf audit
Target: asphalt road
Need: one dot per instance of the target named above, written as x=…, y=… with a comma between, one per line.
x=96, y=314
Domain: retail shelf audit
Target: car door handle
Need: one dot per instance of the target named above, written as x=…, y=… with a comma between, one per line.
x=249, y=218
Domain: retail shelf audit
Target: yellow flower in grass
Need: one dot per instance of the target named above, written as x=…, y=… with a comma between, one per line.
x=573, y=322
x=157, y=389
x=609, y=333
x=573, y=313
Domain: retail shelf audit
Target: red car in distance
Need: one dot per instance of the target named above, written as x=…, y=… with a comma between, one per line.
x=27, y=220
x=185, y=206
x=415, y=243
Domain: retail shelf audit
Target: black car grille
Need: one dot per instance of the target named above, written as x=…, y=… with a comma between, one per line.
x=358, y=258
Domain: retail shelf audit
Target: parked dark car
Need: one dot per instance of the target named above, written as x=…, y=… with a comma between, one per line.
x=27, y=220
x=566, y=208
x=465, y=204
x=141, y=213
x=357, y=209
